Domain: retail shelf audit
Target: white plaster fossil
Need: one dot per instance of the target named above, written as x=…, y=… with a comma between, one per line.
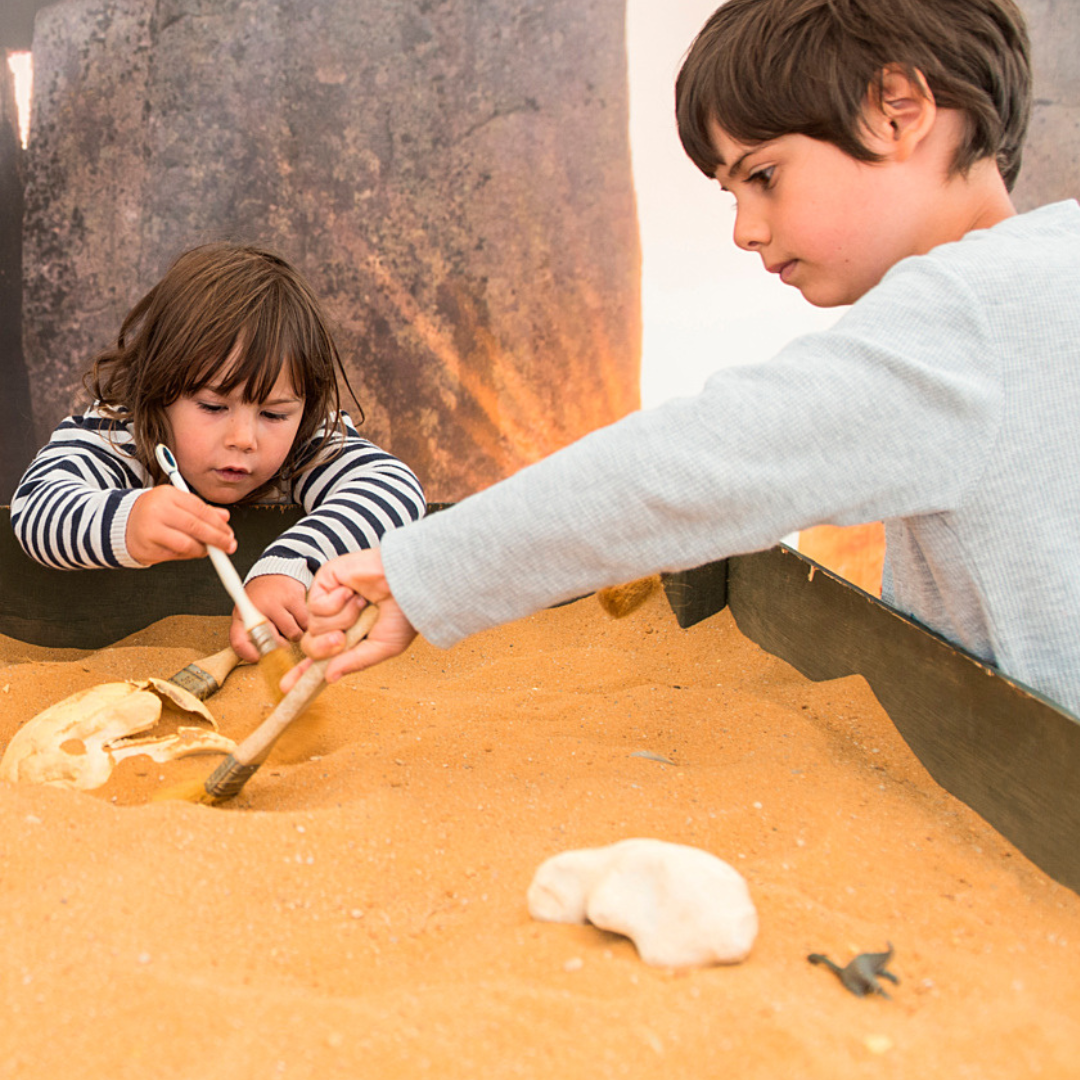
x=681, y=906
x=77, y=742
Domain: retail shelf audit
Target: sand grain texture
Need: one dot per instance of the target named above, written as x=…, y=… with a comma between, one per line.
x=360, y=909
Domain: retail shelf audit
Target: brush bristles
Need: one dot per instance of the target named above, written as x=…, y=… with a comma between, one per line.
x=193, y=791
x=273, y=666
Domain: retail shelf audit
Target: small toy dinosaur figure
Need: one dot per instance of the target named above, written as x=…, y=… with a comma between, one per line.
x=861, y=975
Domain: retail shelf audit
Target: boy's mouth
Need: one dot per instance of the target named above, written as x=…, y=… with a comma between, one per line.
x=784, y=269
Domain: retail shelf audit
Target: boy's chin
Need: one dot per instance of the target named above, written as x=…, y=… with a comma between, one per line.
x=829, y=298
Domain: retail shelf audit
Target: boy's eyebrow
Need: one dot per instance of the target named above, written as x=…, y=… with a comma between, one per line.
x=736, y=169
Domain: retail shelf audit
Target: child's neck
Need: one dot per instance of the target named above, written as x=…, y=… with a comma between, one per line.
x=984, y=200
x=962, y=202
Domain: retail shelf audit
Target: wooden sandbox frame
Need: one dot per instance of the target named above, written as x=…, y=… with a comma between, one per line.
x=1010, y=754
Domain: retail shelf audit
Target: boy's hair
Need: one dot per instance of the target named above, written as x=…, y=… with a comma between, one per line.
x=762, y=69
x=179, y=337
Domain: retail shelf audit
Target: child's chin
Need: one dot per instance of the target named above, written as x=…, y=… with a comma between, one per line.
x=222, y=496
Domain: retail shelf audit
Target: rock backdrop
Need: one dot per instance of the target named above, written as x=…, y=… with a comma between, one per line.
x=453, y=177
x=1051, y=168
x=17, y=443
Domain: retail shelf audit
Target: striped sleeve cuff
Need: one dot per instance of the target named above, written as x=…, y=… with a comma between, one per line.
x=118, y=531
x=274, y=564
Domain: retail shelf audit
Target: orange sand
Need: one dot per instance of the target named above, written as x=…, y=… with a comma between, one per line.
x=360, y=910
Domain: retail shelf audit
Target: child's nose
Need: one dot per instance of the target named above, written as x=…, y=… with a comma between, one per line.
x=751, y=230
x=241, y=433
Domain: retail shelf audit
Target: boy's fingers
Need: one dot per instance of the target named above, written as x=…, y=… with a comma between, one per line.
x=325, y=598
x=359, y=571
x=288, y=680
x=320, y=646
x=342, y=613
x=366, y=654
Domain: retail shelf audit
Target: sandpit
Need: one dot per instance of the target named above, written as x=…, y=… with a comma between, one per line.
x=360, y=909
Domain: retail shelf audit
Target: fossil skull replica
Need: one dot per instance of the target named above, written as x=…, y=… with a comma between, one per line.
x=77, y=742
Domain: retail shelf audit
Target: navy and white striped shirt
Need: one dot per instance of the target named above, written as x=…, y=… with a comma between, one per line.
x=71, y=507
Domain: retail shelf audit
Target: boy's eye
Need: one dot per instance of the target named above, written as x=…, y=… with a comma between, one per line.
x=762, y=177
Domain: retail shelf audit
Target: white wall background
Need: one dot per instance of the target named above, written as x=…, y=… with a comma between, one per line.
x=705, y=303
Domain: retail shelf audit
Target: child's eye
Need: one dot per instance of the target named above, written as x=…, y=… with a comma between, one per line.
x=763, y=177
x=275, y=416
x=210, y=407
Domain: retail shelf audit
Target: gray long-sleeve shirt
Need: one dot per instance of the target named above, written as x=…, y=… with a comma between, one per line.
x=946, y=401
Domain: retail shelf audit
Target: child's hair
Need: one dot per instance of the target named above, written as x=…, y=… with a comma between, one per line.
x=762, y=69
x=178, y=339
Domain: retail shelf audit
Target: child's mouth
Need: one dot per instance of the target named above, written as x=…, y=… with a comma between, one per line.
x=784, y=270
x=232, y=476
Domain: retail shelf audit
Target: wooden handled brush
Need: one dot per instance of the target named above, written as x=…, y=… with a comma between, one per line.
x=202, y=678
x=258, y=627
x=228, y=779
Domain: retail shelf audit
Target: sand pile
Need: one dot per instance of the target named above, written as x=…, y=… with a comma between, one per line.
x=360, y=909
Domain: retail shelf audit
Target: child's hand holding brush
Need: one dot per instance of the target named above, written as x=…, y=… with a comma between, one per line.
x=283, y=600
x=340, y=589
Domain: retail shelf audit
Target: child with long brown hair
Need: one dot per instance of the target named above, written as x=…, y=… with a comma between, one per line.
x=227, y=360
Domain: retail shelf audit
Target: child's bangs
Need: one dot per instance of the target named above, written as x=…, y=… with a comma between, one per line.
x=253, y=362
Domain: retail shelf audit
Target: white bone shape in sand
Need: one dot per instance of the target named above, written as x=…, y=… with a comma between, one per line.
x=77, y=742
x=681, y=906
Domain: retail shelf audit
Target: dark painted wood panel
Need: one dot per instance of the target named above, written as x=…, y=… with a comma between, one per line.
x=1010, y=754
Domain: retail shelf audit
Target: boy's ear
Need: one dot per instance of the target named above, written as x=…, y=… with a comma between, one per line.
x=899, y=113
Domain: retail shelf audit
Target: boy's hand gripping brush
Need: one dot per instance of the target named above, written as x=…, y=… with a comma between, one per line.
x=227, y=780
x=256, y=624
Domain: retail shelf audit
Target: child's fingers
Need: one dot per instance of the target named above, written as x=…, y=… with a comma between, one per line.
x=391, y=635
x=367, y=653
x=320, y=646
x=165, y=524
x=207, y=525
x=241, y=643
x=324, y=604
x=288, y=680
x=281, y=599
x=360, y=572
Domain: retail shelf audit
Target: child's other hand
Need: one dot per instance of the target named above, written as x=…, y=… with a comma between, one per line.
x=282, y=599
x=167, y=524
x=340, y=590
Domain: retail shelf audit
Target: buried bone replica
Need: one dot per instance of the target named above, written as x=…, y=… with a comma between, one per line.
x=77, y=742
x=681, y=906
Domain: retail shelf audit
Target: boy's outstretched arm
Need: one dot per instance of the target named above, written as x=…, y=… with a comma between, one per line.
x=341, y=588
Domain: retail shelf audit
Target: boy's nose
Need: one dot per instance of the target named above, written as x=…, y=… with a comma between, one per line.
x=751, y=230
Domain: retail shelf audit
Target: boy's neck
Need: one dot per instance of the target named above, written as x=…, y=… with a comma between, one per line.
x=977, y=199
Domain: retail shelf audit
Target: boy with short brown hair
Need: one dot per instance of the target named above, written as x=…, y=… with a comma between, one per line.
x=870, y=149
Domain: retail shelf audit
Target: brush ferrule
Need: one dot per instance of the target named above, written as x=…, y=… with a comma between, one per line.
x=228, y=779
x=195, y=681
x=262, y=637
